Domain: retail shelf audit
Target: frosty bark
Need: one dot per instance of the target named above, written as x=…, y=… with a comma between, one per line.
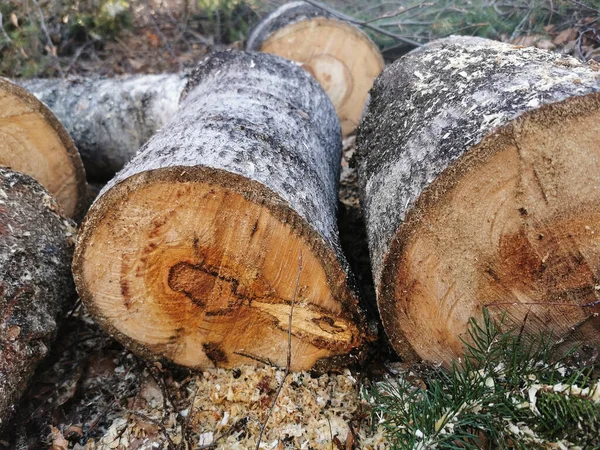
x=110, y=118
x=479, y=169
x=34, y=142
x=191, y=252
x=340, y=56
x=36, y=247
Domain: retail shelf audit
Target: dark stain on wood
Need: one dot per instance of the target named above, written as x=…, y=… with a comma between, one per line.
x=214, y=353
x=197, y=281
x=492, y=274
x=519, y=258
x=125, y=293
x=254, y=228
x=327, y=324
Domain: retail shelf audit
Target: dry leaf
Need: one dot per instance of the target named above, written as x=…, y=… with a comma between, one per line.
x=14, y=20
x=545, y=44
x=565, y=36
x=58, y=440
x=153, y=39
x=151, y=393
x=74, y=431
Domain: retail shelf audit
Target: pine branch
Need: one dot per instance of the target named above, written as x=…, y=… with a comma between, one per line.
x=507, y=392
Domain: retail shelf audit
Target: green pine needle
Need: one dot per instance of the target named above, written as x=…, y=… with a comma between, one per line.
x=508, y=392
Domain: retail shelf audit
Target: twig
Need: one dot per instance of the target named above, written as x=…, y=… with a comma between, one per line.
x=163, y=38
x=48, y=38
x=241, y=423
x=77, y=55
x=517, y=29
x=573, y=305
x=330, y=432
x=141, y=415
x=95, y=422
x=584, y=6
x=186, y=422
x=289, y=355
x=265, y=361
x=363, y=24
x=6, y=36
x=397, y=13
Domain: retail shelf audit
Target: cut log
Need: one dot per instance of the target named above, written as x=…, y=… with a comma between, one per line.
x=339, y=55
x=110, y=118
x=36, y=286
x=480, y=182
x=33, y=141
x=191, y=253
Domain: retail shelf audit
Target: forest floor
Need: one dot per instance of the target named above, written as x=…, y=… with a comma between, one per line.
x=91, y=393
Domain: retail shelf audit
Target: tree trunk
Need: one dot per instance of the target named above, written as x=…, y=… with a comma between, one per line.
x=110, y=118
x=36, y=247
x=480, y=177
x=340, y=56
x=192, y=252
x=33, y=141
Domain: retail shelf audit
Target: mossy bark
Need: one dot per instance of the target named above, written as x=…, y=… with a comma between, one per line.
x=36, y=286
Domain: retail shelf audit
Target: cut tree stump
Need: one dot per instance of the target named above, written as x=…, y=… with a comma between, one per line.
x=191, y=253
x=36, y=286
x=339, y=55
x=480, y=182
x=33, y=141
x=110, y=118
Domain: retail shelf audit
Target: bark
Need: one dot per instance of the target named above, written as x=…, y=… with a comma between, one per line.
x=434, y=115
x=110, y=118
x=261, y=132
x=282, y=17
x=36, y=287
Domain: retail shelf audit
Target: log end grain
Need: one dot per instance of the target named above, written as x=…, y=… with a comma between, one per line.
x=512, y=226
x=478, y=171
x=340, y=56
x=33, y=141
x=198, y=266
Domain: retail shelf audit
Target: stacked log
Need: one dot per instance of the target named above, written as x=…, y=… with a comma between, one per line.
x=110, y=118
x=34, y=142
x=339, y=55
x=36, y=287
x=480, y=182
x=222, y=229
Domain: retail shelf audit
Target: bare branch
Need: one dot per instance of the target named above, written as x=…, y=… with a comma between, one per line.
x=48, y=38
x=363, y=24
x=398, y=12
x=6, y=36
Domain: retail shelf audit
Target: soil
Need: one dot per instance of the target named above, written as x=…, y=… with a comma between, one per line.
x=91, y=393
